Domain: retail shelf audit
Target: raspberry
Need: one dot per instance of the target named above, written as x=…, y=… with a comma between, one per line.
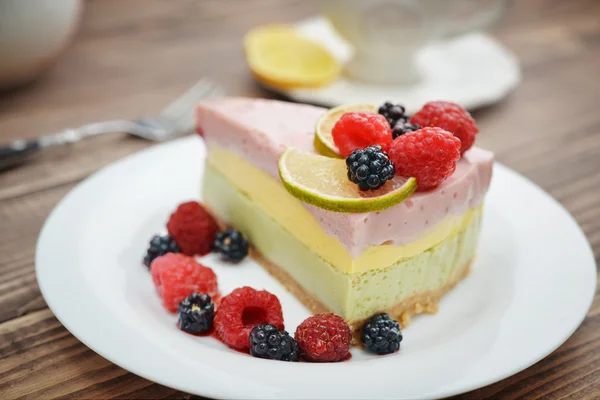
x=176, y=276
x=357, y=130
x=428, y=154
x=193, y=228
x=369, y=168
x=450, y=117
x=324, y=337
x=243, y=309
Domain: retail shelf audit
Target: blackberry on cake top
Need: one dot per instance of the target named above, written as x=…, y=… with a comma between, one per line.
x=393, y=113
x=403, y=127
x=369, y=168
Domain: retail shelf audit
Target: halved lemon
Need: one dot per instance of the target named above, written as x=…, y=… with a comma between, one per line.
x=323, y=139
x=279, y=56
x=323, y=182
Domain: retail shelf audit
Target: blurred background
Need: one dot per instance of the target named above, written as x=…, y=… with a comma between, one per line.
x=77, y=61
x=108, y=58
x=65, y=63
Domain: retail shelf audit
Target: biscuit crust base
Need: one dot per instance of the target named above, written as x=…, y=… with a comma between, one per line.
x=425, y=302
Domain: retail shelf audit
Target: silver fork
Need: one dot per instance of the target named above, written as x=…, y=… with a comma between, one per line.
x=176, y=119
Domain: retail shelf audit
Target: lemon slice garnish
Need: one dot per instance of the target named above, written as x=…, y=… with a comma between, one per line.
x=280, y=57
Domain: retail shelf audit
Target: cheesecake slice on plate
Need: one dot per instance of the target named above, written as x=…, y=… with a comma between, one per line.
x=401, y=259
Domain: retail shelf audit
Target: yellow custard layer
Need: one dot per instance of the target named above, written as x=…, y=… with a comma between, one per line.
x=289, y=212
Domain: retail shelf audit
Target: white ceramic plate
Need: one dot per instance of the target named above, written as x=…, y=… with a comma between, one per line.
x=530, y=288
x=473, y=70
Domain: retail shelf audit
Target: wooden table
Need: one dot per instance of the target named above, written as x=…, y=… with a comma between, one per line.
x=132, y=57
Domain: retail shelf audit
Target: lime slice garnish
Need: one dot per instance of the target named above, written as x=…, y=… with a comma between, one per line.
x=323, y=182
x=323, y=139
x=323, y=149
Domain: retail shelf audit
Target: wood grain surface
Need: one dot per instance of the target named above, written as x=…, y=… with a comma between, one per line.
x=132, y=57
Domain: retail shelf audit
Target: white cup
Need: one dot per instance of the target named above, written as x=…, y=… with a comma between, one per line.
x=33, y=34
x=386, y=34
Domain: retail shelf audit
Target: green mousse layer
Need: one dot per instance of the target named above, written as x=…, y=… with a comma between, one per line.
x=352, y=296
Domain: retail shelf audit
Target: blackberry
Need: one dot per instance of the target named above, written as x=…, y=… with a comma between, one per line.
x=231, y=245
x=403, y=127
x=159, y=246
x=196, y=313
x=370, y=167
x=381, y=334
x=267, y=341
x=393, y=113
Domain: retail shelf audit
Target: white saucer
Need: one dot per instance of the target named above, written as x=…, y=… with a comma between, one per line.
x=530, y=288
x=473, y=70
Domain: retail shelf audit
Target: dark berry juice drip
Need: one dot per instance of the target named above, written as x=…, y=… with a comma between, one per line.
x=347, y=358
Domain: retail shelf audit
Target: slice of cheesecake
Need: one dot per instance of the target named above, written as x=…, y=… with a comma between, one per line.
x=400, y=260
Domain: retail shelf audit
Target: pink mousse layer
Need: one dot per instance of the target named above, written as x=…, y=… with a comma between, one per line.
x=259, y=130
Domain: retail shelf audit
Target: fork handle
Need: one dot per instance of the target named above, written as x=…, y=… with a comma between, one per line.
x=21, y=150
x=17, y=152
